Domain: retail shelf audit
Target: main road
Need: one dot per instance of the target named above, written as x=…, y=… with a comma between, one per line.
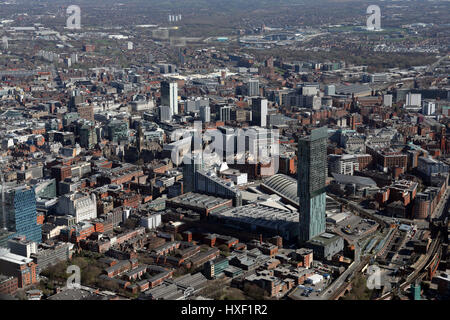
x=331, y=290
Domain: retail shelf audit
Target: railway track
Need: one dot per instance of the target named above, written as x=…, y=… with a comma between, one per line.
x=345, y=285
x=421, y=271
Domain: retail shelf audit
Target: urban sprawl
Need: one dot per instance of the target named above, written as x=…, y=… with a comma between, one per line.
x=174, y=160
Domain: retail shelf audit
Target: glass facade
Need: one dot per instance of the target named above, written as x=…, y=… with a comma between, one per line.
x=117, y=130
x=88, y=137
x=20, y=208
x=169, y=95
x=46, y=189
x=312, y=173
x=220, y=266
x=191, y=165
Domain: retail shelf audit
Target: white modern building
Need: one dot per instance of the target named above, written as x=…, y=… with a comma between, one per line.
x=428, y=108
x=387, y=100
x=413, y=100
x=80, y=205
x=253, y=87
x=165, y=113
x=205, y=113
x=343, y=164
x=225, y=113
x=314, y=279
x=151, y=221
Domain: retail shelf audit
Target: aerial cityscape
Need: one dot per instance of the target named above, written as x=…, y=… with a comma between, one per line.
x=199, y=150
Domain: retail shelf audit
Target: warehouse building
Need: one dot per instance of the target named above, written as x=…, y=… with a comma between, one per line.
x=326, y=245
x=260, y=219
x=200, y=203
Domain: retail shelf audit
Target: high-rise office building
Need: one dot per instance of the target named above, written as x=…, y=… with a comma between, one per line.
x=88, y=136
x=140, y=138
x=205, y=113
x=225, y=113
x=387, y=100
x=194, y=105
x=413, y=99
x=259, y=112
x=428, y=108
x=312, y=173
x=165, y=113
x=117, y=130
x=169, y=95
x=192, y=163
x=18, y=208
x=253, y=87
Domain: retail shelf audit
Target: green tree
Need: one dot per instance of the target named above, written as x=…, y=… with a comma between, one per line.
x=108, y=285
x=178, y=237
x=224, y=248
x=90, y=274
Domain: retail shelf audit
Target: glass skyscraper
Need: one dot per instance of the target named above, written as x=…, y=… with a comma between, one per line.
x=312, y=173
x=253, y=87
x=192, y=163
x=169, y=95
x=259, y=112
x=19, y=210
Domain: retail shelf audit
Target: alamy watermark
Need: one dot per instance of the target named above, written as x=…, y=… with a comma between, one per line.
x=5, y=43
x=74, y=20
x=73, y=281
x=374, y=281
x=374, y=20
x=252, y=145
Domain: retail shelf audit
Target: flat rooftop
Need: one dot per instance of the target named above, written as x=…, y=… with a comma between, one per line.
x=13, y=258
x=262, y=216
x=324, y=239
x=198, y=200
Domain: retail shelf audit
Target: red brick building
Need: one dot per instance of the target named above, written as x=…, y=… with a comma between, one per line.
x=22, y=268
x=8, y=285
